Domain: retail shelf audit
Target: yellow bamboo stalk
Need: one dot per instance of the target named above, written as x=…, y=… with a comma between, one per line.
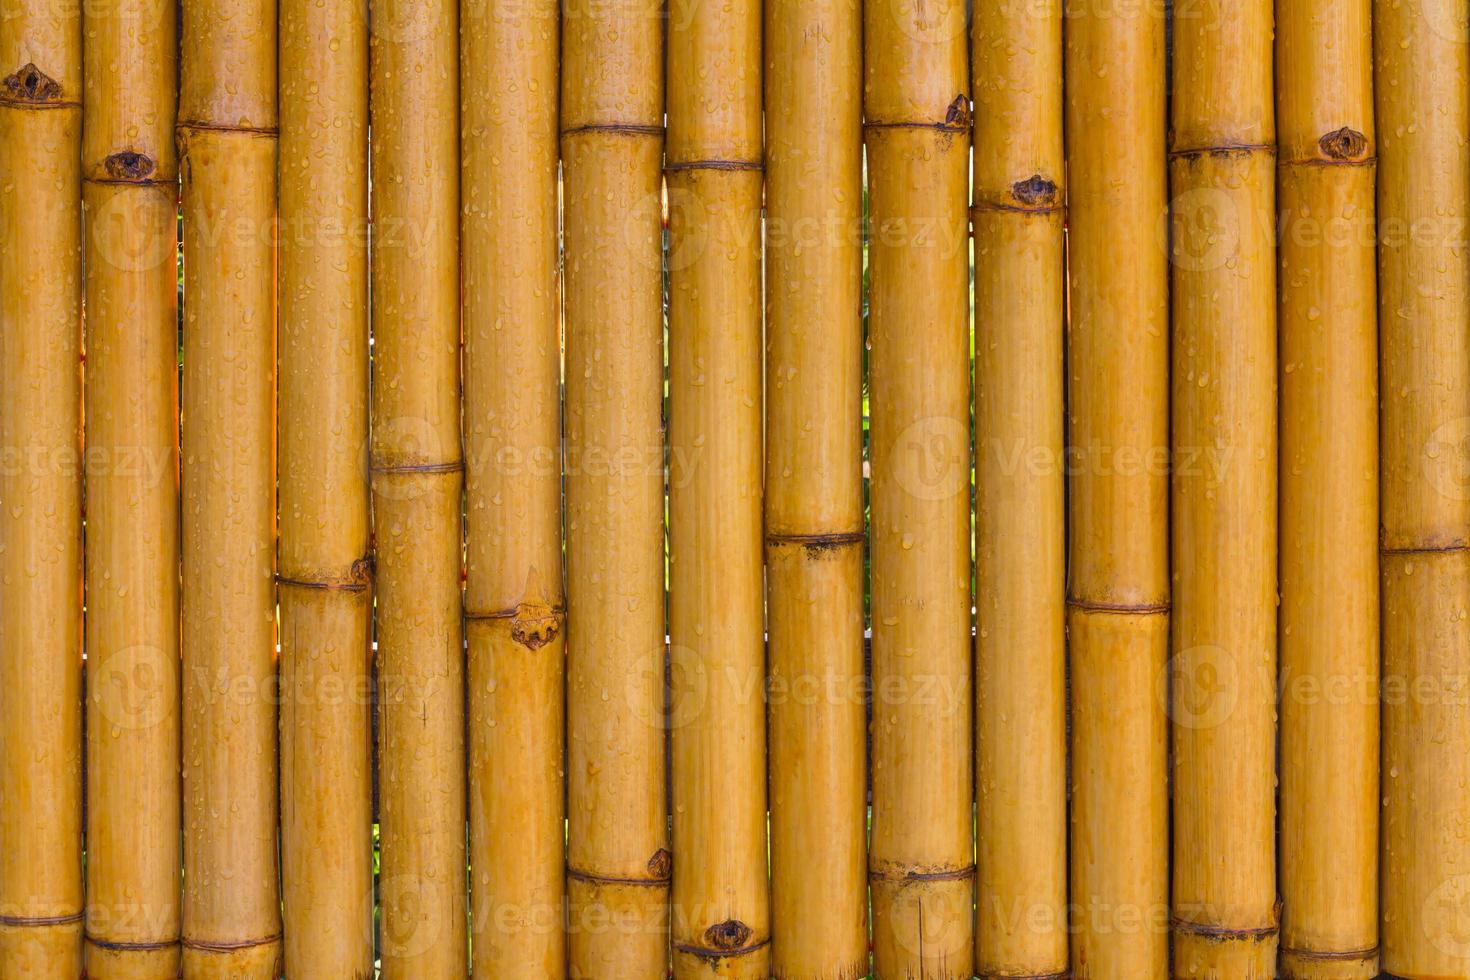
x=227, y=141
x=514, y=604
x=1118, y=590
x=618, y=858
x=417, y=481
x=132, y=562
x=325, y=568
x=1329, y=493
x=1020, y=515
x=721, y=901
x=40, y=492
x=1423, y=122
x=1223, y=671
x=922, y=860
x=814, y=507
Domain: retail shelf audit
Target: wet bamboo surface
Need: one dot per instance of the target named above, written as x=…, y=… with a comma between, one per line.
x=227, y=140
x=917, y=130
x=618, y=856
x=720, y=913
x=1118, y=509
x=1329, y=619
x=1423, y=123
x=814, y=506
x=417, y=482
x=325, y=568
x=40, y=493
x=130, y=197
x=514, y=604
x=1224, y=504
x=1020, y=516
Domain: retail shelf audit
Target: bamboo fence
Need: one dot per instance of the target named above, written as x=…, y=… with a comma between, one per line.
x=785, y=490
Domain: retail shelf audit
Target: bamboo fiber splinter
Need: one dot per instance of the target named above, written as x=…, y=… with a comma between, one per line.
x=1020, y=646
x=132, y=579
x=1329, y=493
x=227, y=138
x=721, y=913
x=814, y=506
x=513, y=599
x=917, y=116
x=40, y=491
x=325, y=569
x=417, y=479
x=1423, y=124
x=1118, y=586
x=618, y=857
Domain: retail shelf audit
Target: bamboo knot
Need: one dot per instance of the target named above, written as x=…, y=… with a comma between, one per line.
x=128, y=165
x=534, y=624
x=728, y=935
x=1035, y=192
x=31, y=85
x=1344, y=144
x=661, y=865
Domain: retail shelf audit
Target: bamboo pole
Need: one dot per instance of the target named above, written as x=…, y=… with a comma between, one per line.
x=618, y=858
x=1020, y=515
x=132, y=563
x=1329, y=493
x=1223, y=671
x=1423, y=116
x=40, y=492
x=417, y=480
x=514, y=606
x=721, y=902
x=814, y=506
x=1118, y=588
x=227, y=141
x=325, y=567
x=917, y=130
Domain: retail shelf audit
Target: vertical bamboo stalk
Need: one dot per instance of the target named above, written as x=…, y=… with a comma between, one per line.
x=1423, y=114
x=814, y=506
x=917, y=130
x=514, y=605
x=417, y=482
x=227, y=142
x=325, y=567
x=40, y=492
x=1020, y=514
x=132, y=564
x=1329, y=492
x=1223, y=671
x=618, y=858
x=1118, y=509
x=721, y=900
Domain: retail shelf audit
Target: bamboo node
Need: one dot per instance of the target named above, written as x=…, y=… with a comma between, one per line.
x=30, y=84
x=39, y=921
x=1035, y=191
x=728, y=935
x=1344, y=144
x=128, y=165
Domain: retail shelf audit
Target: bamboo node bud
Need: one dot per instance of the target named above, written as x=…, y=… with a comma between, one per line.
x=534, y=624
x=958, y=115
x=128, y=165
x=30, y=84
x=727, y=935
x=1344, y=144
x=661, y=864
x=1035, y=191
